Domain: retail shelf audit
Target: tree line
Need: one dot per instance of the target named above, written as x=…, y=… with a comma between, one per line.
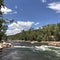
x=50, y=32
x=3, y=22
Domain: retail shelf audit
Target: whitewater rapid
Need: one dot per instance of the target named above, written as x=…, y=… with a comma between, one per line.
x=42, y=48
x=27, y=51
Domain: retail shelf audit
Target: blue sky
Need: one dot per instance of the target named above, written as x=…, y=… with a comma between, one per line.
x=37, y=13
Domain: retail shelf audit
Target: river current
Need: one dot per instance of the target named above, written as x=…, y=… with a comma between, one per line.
x=28, y=51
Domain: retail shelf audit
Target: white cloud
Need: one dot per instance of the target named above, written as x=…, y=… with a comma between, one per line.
x=37, y=28
x=43, y=1
x=55, y=6
x=6, y=10
x=37, y=23
x=15, y=28
x=12, y=32
x=14, y=12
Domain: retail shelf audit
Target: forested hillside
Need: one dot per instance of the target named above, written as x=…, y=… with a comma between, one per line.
x=50, y=32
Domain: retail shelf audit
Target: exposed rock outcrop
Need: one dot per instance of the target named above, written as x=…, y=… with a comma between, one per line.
x=54, y=44
x=5, y=45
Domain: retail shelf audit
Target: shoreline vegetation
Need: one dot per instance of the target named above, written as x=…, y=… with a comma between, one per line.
x=48, y=34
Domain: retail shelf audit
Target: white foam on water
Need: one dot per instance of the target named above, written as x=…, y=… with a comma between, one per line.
x=20, y=46
x=57, y=52
x=46, y=47
x=42, y=47
x=23, y=47
x=49, y=48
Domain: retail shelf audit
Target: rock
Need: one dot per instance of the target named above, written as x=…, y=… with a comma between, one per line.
x=54, y=44
x=9, y=45
x=5, y=45
x=1, y=45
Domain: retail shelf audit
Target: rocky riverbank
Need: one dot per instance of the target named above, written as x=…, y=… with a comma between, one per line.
x=5, y=45
x=54, y=43
x=50, y=43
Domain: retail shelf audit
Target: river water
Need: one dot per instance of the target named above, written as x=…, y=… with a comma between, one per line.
x=28, y=51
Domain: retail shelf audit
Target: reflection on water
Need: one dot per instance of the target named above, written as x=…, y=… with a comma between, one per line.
x=26, y=51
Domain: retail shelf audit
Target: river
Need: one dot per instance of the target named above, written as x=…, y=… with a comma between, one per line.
x=28, y=51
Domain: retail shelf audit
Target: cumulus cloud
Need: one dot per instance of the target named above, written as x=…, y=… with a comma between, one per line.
x=12, y=32
x=17, y=27
x=37, y=23
x=14, y=12
x=37, y=28
x=6, y=10
x=55, y=6
x=43, y=1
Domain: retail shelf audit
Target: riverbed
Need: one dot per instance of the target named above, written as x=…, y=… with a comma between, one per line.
x=28, y=51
